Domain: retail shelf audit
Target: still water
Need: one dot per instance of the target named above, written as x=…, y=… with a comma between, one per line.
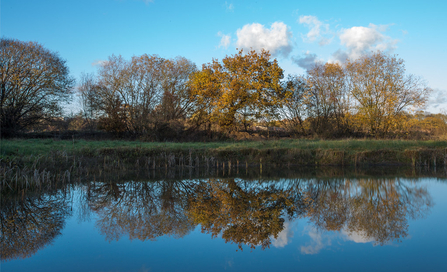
x=312, y=222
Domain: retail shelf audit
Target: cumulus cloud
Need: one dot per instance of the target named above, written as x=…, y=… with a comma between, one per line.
x=225, y=39
x=360, y=40
x=284, y=236
x=316, y=29
x=99, y=62
x=277, y=39
x=306, y=62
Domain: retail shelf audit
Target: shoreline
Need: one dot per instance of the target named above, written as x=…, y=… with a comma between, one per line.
x=274, y=152
x=35, y=164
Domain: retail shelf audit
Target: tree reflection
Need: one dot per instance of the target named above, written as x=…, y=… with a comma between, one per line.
x=31, y=223
x=252, y=213
x=141, y=210
x=244, y=213
x=377, y=209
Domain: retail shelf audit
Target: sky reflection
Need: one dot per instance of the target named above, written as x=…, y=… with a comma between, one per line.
x=202, y=224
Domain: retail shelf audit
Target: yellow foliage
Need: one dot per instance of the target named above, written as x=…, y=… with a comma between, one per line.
x=240, y=88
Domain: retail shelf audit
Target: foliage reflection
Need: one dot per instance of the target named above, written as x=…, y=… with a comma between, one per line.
x=141, y=210
x=245, y=212
x=377, y=209
x=31, y=223
x=252, y=213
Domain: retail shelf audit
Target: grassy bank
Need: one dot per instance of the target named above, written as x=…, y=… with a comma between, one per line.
x=36, y=164
x=302, y=152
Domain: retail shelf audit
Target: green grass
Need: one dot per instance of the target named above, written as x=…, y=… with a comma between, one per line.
x=21, y=147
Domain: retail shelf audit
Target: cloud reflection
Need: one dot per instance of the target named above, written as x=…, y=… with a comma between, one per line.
x=285, y=236
x=319, y=241
x=357, y=236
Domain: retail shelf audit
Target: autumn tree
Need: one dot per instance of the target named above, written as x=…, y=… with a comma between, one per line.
x=327, y=98
x=239, y=89
x=382, y=91
x=33, y=84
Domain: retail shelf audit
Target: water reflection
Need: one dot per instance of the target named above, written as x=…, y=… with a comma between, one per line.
x=253, y=213
x=367, y=209
x=245, y=213
x=140, y=210
x=30, y=223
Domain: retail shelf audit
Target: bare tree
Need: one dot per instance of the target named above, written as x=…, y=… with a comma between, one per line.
x=176, y=102
x=33, y=83
x=88, y=94
x=293, y=112
x=327, y=98
x=134, y=95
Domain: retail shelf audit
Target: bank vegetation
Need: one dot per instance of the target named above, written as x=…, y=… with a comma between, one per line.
x=243, y=96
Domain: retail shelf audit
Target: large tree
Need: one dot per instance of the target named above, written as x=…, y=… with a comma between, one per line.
x=238, y=89
x=327, y=99
x=33, y=83
x=133, y=95
x=382, y=91
x=294, y=109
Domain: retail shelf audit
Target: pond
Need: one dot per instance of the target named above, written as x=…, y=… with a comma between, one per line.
x=315, y=220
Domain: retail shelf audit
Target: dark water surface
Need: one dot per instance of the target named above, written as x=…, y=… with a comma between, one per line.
x=309, y=223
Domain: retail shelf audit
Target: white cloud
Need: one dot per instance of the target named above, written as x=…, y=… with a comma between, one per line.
x=225, y=39
x=229, y=6
x=99, y=62
x=360, y=40
x=277, y=39
x=316, y=29
x=284, y=236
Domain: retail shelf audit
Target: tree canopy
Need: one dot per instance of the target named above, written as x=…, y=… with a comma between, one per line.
x=382, y=90
x=34, y=83
x=242, y=88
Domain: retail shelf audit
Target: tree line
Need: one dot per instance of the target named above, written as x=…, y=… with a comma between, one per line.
x=243, y=93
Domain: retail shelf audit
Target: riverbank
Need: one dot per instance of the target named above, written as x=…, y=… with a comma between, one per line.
x=275, y=152
x=35, y=164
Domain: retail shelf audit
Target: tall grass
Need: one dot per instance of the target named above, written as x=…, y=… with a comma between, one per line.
x=21, y=147
x=34, y=163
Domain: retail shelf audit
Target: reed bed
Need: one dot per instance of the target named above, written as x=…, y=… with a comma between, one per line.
x=36, y=164
x=26, y=147
x=58, y=169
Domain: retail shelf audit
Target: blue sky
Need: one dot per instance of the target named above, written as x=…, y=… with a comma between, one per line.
x=296, y=32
